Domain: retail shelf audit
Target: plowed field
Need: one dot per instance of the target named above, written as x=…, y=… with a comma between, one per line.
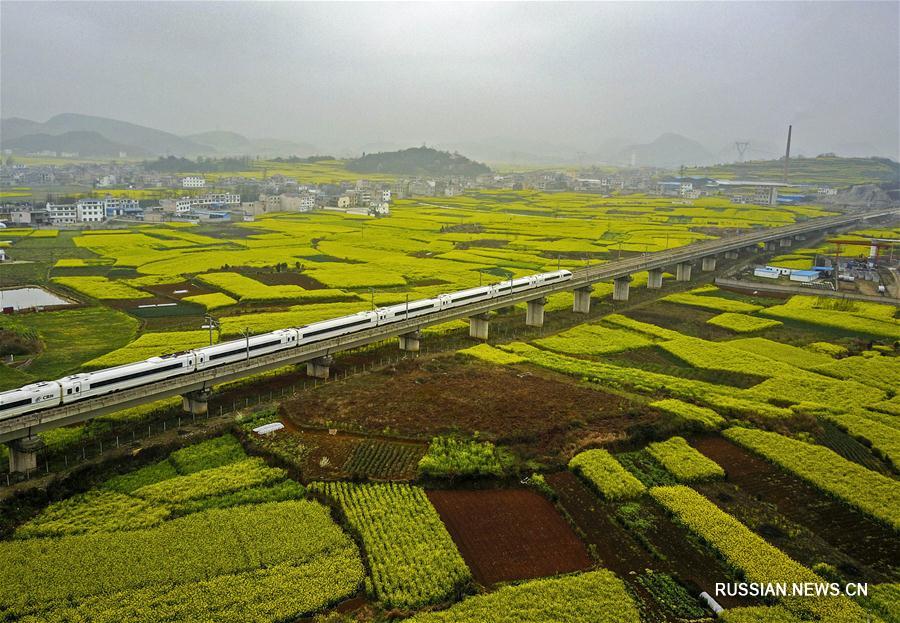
x=511, y=534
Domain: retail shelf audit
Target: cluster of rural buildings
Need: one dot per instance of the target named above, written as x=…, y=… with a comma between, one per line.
x=90, y=210
x=229, y=197
x=742, y=191
x=202, y=207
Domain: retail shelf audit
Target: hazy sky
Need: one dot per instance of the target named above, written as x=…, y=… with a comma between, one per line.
x=343, y=75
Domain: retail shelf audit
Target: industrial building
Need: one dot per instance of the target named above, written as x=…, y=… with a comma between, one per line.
x=804, y=276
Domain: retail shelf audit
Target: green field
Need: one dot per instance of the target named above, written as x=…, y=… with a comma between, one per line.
x=210, y=533
x=292, y=269
x=180, y=537
x=835, y=171
x=596, y=597
x=413, y=559
x=785, y=375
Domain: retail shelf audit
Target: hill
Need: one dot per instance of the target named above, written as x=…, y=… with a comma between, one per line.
x=221, y=141
x=26, y=135
x=832, y=170
x=15, y=127
x=669, y=150
x=417, y=161
x=83, y=143
x=224, y=143
x=134, y=138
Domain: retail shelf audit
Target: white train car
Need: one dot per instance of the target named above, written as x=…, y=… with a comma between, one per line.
x=532, y=281
x=32, y=397
x=472, y=295
x=88, y=384
x=404, y=311
x=557, y=275
x=327, y=329
x=240, y=350
x=37, y=396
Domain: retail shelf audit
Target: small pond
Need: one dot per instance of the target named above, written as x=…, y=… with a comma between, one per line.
x=28, y=298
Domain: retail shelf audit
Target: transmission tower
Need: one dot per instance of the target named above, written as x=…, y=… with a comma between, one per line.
x=742, y=147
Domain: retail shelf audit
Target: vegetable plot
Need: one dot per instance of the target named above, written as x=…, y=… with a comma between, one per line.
x=594, y=597
x=412, y=558
x=870, y=492
x=606, y=474
x=751, y=554
x=683, y=461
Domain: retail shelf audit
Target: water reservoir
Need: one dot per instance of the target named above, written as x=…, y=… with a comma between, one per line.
x=28, y=298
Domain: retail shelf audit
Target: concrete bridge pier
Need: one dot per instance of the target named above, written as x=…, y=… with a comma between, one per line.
x=23, y=454
x=196, y=402
x=621, y=287
x=582, y=304
x=534, y=312
x=708, y=263
x=410, y=341
x=654, y=278
x=479, y=326
x=320, y=367
x=683, y=271
x=785, y=242
x=731, y=255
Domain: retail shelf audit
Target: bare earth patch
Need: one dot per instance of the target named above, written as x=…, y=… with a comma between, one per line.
x=541, y=415
x=510, y=534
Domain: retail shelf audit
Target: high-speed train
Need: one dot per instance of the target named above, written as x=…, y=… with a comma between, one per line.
x=47, y=394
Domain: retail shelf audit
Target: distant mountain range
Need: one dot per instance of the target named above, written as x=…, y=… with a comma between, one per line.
x=92, y=144
x=99, y=136
x=94, y=136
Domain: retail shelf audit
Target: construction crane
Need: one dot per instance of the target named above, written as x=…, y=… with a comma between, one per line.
x=875, y=245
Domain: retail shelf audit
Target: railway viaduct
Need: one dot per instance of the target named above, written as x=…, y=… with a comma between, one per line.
x=21, y=433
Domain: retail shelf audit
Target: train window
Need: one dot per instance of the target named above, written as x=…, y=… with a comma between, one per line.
x=470, y=296
x=265, y=344
x=341, y=327
x=14, y=404
x=69, y=391
x=227, y=353
x=128, y=377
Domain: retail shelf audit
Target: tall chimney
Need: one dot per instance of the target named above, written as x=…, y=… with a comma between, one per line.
x=787, y=155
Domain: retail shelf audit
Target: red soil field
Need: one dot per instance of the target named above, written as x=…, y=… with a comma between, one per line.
x=510, y=534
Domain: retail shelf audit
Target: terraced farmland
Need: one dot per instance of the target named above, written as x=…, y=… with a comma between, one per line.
x=611, y=469
x=293, y=269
